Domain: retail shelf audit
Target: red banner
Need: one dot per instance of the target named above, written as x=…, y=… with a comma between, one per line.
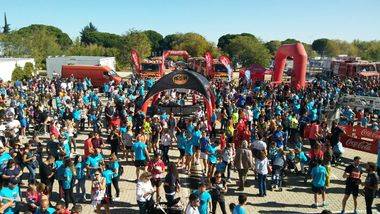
x=225, y=60
x=360, y=138
x=135, y=60
x=209, y=62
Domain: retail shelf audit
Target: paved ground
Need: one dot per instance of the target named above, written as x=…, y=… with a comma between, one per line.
x=295, y=198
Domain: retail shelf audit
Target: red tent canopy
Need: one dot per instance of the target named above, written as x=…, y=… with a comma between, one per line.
x=258, y=72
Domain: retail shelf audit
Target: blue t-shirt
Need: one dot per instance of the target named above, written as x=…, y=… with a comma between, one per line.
x=181, y=140
x=195, y=138
x=108, y=175
x=115, y=166
x=4, y=158
x=68, y=176
x=204, y=198
x=79, y=167
x=94, y=161
x=318, y=173
x=7, y=192
x=238, y=210
x=211, y=149
x=77, y=114
x=189, y=147
x=204, y=143
x=66, y=147
x=49, y=210
x=60, y=169
x=277, y=138
x=139, y=149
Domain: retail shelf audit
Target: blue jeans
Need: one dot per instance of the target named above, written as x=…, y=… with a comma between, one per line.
x=262, y=184
x=81, y=186
x=32, y=172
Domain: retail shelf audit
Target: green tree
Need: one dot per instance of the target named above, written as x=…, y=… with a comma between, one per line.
x=29, y=69
x=170, y=41
x=23, y=74
x=6, y=28
x=320, y=46
x=134, y=40
x=273, y=46
x=289, y=41
x=247, y=51
x=90, y=35
x=225, y=40
x=61, y=38
x=39, y=45
x=195, y=44
x=155, y=39
x=309, y=50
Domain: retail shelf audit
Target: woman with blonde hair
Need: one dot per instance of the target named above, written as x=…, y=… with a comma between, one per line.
x=144, y=192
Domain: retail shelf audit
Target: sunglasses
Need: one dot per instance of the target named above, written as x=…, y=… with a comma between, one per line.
x=97, y=174
x=218, y=176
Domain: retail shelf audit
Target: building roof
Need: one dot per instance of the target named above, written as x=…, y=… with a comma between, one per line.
x=79, y=57
x=14, y=59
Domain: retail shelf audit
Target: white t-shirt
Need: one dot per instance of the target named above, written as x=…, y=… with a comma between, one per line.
x=262, y=166
x=142, y=188
x=191, y=210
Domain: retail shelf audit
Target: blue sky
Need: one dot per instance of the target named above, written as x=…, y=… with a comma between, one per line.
x=305, y=20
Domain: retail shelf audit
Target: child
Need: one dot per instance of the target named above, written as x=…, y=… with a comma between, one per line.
x=290, y=160
x=301, y=158
x=272, y=151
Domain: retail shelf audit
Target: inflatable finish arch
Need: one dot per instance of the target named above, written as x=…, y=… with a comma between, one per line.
x=182, y=79
x=167, y=53
x=297, y=51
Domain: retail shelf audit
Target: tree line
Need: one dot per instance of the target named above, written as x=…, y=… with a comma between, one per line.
x=41, y=41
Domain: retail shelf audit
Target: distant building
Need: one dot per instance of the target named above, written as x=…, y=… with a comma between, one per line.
x=7, y=65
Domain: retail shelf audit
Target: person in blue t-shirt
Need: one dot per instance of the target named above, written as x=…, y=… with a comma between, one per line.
x=68, y=182
x=4, y=157
x=108, y=174
x=239, y=209
x=10, y=192
x=181, y=144
x=118, y=171
x=196, y=135
x=204, y=197
x=93, y=162
x=80, y=169
x=278, y=137
x=204, y=143
x=140, y=150
x=212, y=158
x=188, y=154
x=319, y=174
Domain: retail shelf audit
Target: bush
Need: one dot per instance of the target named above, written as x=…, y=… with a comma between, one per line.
x=22, y=74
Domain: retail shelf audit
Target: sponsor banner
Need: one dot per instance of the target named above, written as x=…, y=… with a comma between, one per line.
x=359, y=144
x=227, y=62
x=135, y=59
x=208, y=59
x=360, y=138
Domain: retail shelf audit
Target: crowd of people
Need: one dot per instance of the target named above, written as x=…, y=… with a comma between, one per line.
x=253, y=127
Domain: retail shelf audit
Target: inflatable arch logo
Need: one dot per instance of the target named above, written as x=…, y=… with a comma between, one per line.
x=180, y=79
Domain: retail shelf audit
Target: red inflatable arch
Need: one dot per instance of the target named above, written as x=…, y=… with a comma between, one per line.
x=167, y=53
x=297, y=51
